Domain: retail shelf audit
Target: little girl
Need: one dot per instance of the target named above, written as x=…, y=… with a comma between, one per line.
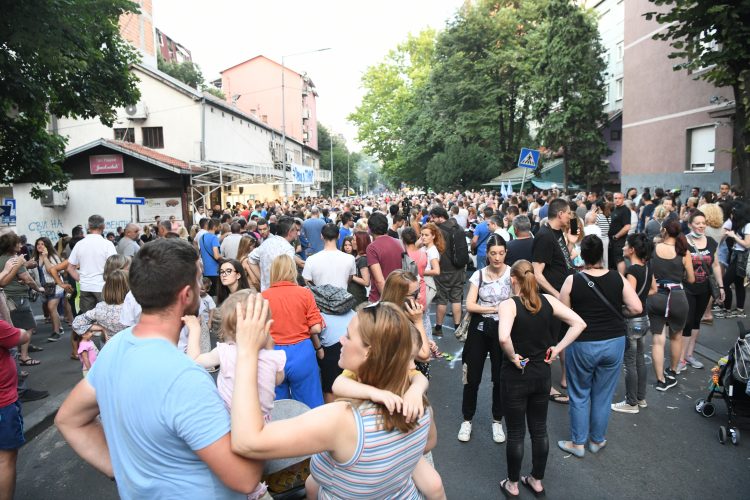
x=224, y=355
x=87, y=351
x=347, y=385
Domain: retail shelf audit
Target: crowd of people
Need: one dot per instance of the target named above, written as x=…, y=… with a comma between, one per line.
x=327, y=302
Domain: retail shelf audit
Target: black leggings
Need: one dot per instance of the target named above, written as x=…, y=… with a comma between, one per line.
x=696, y=307
x=525, y=403
x=478, y=344
x=737, y=278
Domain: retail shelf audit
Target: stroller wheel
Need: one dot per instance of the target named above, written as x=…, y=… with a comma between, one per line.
x=708, y=410
x=734, y=434
x=722, y=434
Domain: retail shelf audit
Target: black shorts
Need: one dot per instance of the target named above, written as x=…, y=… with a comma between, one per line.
x=450, y=287
x=615, y=251
x=329, y=366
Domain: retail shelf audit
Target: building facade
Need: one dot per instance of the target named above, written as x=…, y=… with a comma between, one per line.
x=170, y=50
x=676, y=130
x=138, y=30
x=254, y=87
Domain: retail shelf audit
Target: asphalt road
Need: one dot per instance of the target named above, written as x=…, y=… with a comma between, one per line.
x=667, y=451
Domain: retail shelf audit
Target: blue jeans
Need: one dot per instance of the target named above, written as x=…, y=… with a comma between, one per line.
x=593, y=369
x=481, y=261
x=301, y=375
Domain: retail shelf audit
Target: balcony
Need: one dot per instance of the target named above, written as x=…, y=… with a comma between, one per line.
x=322, y=175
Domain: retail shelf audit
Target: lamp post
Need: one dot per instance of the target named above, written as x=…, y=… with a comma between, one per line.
x=283, y=110
x=348, y=160
x=331, y=168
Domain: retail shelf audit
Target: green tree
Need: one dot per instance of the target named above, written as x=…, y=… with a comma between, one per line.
x=390, y=87
x=571, y=91
x=64, y=59
x=214, y=92
x=712, y=36
x=187, y=72
x=341, y=155
x=457, y=165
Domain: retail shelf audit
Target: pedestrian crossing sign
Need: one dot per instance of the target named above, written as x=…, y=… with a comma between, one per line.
x=529, y=158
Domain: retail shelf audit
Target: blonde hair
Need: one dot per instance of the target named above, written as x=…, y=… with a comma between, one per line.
x=115, y=262
x=283, y=269
x=228, y=313
x=714, y=215
x=396, y=287
x=660, y=213
x=116, y=287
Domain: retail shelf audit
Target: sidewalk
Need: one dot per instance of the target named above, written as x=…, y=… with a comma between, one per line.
x=58, y=374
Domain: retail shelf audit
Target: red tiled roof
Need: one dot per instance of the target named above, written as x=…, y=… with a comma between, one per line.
x=143, y=150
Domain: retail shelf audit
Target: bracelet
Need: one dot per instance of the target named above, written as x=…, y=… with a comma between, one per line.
x=319, y=348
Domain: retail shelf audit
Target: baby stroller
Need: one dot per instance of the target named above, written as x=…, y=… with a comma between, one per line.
x=729, y=380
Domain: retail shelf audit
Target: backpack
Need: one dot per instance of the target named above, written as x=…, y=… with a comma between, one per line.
x=408, y=264
x=459, y=254
x=332, y=299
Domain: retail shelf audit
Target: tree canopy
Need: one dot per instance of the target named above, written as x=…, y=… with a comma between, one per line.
x=341, y=157
x=61, y=59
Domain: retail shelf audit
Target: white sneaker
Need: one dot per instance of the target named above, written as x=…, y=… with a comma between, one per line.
x=498, y=435
x=642, y=403
x=694, y=362
x=624, y=407
x=681, y=367
x=464, y=433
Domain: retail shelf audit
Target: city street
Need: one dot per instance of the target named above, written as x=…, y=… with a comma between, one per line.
x=666, y=451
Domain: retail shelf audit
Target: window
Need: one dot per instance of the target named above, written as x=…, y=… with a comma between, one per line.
x=605, y=57
x=701, y=145
x=124, y=134
x=153, y=137
x=619, y=89
x=606, y=93
x=615, y=135
x=620, y=51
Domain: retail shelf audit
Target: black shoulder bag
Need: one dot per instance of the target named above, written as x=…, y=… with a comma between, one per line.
x=636, y=327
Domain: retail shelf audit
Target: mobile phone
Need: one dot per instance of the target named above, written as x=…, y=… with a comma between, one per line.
x=574, y=225
x=549, y=354
x=524, y=362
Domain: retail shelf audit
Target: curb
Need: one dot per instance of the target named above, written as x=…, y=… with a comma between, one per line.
x=708, y=353
x=43, y=417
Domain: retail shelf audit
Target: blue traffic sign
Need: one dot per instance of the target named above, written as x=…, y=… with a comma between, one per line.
x=529, y=158
x=132, y=200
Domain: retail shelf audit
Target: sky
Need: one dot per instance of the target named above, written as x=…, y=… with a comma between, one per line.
x=222, y=33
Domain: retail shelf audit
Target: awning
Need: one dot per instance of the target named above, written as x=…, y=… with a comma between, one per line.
x=515, y=176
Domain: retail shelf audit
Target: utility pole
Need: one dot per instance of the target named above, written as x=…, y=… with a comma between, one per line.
x=348, y=159
x=331, y=167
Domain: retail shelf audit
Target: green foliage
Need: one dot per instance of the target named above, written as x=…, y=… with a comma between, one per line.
x=187, y=72
x=571, y=91
x=710, y=37
x=341, y=155
x=60, y=58
x=214, y=91
x=457, y=165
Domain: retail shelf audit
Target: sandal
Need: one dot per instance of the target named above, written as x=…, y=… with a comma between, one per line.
x=74, y=357
x=505, y=491
x=525, y=481
x=29, y=362
x=559, y=398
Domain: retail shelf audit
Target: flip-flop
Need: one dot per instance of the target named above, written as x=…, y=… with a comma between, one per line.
x=505, y=491
x=557, y=398
x=525, y=481
x=29, y=362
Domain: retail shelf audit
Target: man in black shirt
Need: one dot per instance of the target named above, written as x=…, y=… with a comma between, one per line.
x=618, y=230
x=552, y=264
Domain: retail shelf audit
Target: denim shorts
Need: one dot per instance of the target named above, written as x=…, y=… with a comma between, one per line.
x=11, y=427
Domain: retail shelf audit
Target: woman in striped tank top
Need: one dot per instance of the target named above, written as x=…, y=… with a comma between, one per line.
x=359, y=449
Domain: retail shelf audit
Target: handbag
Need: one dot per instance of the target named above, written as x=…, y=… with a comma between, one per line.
x=50, y=289
x=635, y=327
x=463, y=328
x=332, y=299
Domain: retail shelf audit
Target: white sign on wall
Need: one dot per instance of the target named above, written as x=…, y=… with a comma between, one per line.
x=163, y=207
x=86, y=198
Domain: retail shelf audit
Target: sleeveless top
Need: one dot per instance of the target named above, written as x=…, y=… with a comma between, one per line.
x=531, y=336
x=667, y=270
x=600, y=323
x=382, y=463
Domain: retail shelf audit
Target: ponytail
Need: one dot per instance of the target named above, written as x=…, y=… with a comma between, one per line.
x=523, y=271
x=673, y=229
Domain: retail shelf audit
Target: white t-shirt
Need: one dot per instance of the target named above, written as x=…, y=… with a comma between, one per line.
x=230, y=246
x=462, y=218
x=492, y=293
x=90, y=254
x=728, y=226
x=330, y=267
x=432, y=253
x=504, y=233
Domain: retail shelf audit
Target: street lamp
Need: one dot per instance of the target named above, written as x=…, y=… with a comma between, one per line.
x=283, y=109
x=331, y=168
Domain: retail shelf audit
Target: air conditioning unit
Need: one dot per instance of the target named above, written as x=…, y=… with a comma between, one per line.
x=137, y=111
x=54, y=199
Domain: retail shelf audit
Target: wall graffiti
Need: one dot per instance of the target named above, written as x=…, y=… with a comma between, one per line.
x=47, y=228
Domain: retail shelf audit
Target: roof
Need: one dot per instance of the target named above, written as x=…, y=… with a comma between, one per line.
x=258, y=57
x=142, y=153
x=515, y=176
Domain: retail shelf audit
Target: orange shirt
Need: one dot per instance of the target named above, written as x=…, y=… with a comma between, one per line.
x=293, y=311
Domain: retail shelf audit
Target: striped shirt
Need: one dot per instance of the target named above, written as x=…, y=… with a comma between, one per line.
x=382, y=463
x=603, y=222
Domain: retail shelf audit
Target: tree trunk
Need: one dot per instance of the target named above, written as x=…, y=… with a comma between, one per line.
x=565, y=169
x=741, y=136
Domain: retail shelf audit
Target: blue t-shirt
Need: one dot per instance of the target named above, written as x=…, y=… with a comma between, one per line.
x=544, y=211
x=482, y=232
x=157, y=408
x=311, y=229
x=210, y=265
x=343, y=233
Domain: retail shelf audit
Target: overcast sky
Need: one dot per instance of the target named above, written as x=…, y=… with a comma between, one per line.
x=222, y=33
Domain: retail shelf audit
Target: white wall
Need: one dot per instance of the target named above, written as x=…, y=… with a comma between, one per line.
x=235, y=140
x=86, y=197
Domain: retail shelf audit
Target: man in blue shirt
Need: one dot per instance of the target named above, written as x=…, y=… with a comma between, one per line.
x=479, y=241
x=347, y=223
x=164, y=431
x=209, y=246
x=311, y=229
